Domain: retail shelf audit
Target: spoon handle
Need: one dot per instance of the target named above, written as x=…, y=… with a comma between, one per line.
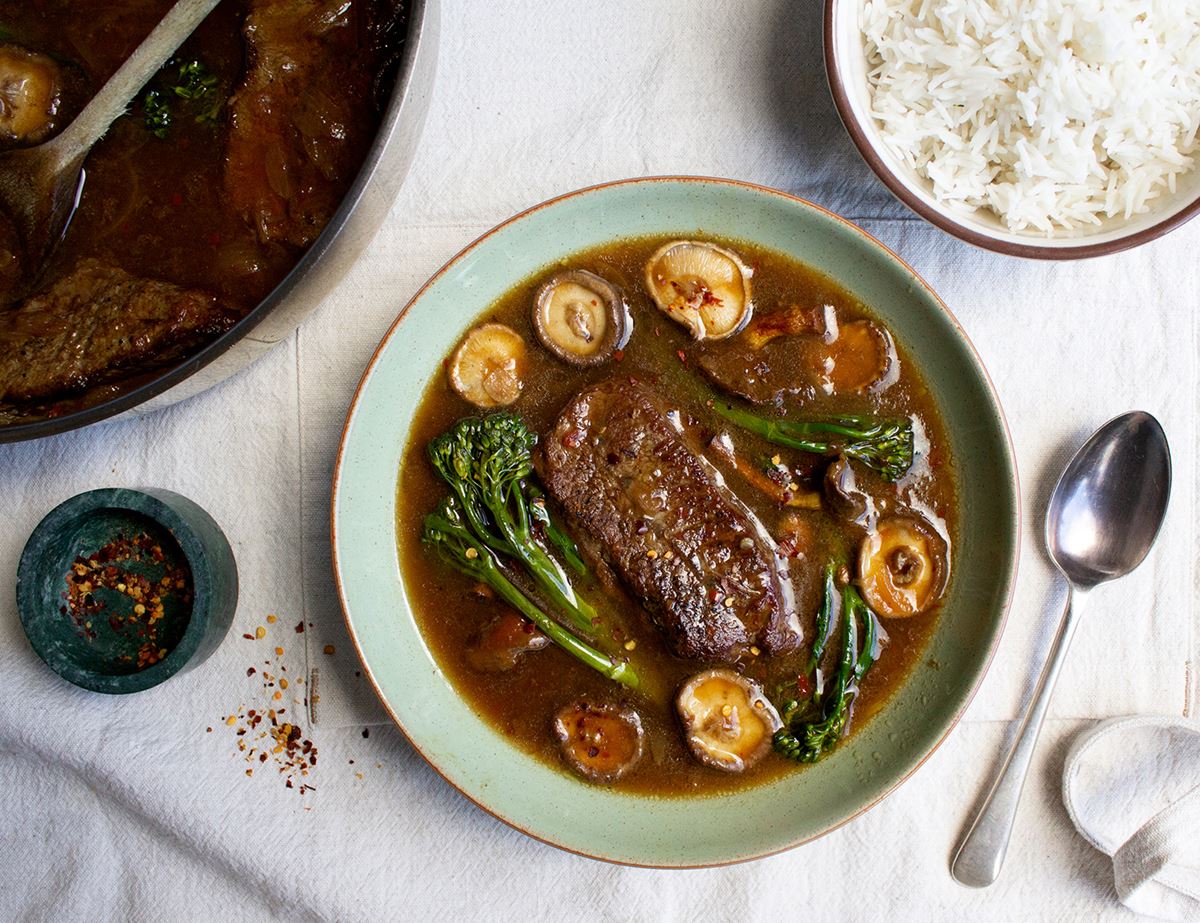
x=155, y=50
x=981, y=852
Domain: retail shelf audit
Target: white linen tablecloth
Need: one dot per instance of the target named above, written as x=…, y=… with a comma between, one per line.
x=128, y=808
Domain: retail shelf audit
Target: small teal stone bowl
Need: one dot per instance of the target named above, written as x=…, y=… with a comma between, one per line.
x=119, y=590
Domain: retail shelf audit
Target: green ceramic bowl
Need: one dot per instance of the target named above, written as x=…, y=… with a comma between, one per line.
x=549, y=804
x=103, y=649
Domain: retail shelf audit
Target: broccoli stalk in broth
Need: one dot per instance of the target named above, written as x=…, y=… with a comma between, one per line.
x=813, y=728
x=556, y=536
x=487, y=462
x=824, y=627
x=447, y=534
x=885, y=446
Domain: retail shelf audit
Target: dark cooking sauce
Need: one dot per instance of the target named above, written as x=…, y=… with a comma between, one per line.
x=522, y=702
x=150, y=204
x=165, y=208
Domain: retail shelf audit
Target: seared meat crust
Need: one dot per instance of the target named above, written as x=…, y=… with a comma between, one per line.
x=98, y=323
x=661, y=516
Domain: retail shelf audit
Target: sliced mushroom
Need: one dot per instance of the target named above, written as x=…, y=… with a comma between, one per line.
x=704, y=287
x=861, y=357
x=794, y=320
x=727, y=720
x=903, y=565
x=844, y=496
x=581, y=317
x=30, y=95
x=600, y=742
x=488, y=368
x=776, y=481
x=502, y=641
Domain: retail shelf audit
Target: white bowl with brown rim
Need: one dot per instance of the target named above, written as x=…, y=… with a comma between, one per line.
x=846, y=68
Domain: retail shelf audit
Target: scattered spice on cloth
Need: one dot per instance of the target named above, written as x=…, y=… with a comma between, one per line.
x=265, y=738
x=264, y=735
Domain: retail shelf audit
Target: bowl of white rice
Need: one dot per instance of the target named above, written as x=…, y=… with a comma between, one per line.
x=1054, y=129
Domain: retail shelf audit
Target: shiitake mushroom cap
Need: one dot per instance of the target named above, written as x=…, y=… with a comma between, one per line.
x=33, y=86
x=903, y=566
x=728, y=721
x=488, y=368
x=861, y=359
x=600, y=741
x=581, y=317
x=702, y=286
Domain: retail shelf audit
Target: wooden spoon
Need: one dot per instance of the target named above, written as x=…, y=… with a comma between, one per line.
x=40, y=186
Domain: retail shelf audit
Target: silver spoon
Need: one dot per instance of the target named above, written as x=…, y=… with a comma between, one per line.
x=1103, y=518
x=40, y=186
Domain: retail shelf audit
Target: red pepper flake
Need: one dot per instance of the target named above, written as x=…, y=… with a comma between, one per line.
x=177, y=200
x=573, y=438
x=682, y=357
x=277, y=741
x=116, y=575
x=366, y=732
x=300, y=627
x=619, y=354
x=250, y=671
x=248, y=637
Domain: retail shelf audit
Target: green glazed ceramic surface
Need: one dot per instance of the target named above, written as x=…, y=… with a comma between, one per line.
x=102, y=659
x=552, y=805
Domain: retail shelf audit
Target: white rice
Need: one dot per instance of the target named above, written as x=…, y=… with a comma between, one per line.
x=1054, y=114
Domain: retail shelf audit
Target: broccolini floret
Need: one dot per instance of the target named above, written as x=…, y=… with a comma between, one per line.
x=487, y=462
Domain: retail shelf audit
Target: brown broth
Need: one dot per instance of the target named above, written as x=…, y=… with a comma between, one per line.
x=521, y=703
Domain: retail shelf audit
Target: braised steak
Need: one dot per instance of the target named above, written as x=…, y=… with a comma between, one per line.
x=695, y=555
x=97, y=323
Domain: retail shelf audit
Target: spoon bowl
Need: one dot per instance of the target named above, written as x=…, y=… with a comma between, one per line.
x=1110, y=502
x=38, y=196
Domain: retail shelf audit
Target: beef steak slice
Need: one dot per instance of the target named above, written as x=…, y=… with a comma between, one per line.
x=695, y=555
x=98, y=323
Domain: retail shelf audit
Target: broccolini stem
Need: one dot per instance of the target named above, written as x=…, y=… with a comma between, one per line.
x=811, y=730
x=615, y=670
x=866, y=657
x=546, y=571
x=447, y=534
x=824, y=627
x=885, y=446
x=556, y=536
